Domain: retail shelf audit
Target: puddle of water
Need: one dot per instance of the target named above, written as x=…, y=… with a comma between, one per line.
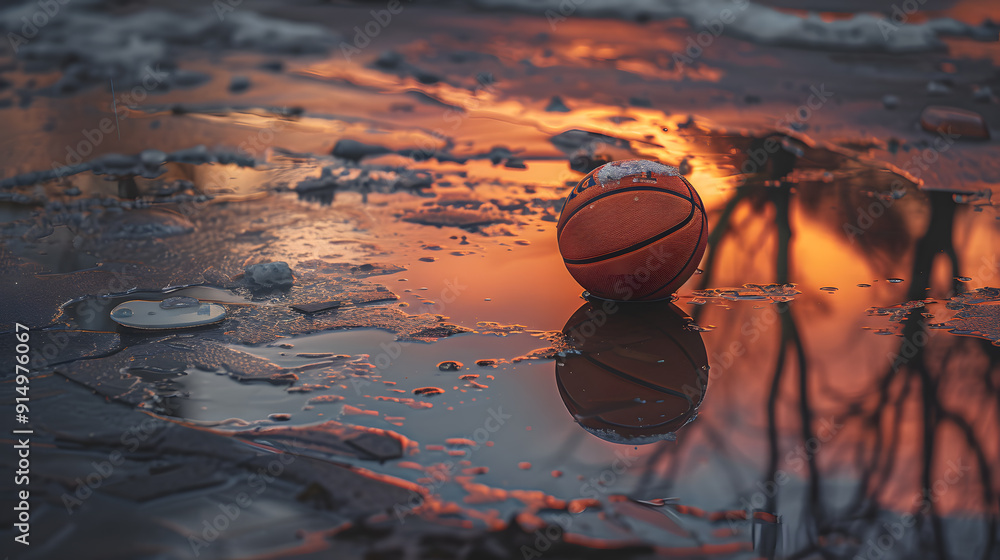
x=94, y=313
x=815, y=406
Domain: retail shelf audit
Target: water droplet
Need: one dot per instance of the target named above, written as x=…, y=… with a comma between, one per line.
x=450, y=365
x=829, y=289
x=699, y=271
x=864, y=285
x=963, y=279
x=524, y=465
x=428, y=391
x=279, y=417
x=123, y=312
x=971, y=197
x=894, y=280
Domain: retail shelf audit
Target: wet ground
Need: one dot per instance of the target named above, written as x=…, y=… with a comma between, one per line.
x=433, y=383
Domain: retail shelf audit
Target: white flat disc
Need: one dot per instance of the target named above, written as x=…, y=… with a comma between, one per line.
x=143, y=314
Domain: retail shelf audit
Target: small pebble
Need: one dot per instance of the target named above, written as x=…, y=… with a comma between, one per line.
x=937, y=88
x=239, y=84
x=951, y=120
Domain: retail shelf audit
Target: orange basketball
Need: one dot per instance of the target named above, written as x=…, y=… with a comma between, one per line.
x=632, y=230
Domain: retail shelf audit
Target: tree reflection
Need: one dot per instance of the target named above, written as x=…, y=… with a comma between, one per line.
x=919, y=388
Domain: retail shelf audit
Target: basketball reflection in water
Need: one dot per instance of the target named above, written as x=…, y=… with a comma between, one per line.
x=636, y=374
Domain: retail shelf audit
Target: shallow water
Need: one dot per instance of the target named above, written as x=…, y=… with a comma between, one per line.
x=825, y=386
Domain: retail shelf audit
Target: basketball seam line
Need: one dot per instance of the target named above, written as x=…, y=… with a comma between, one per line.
x=626, y=189
x=637, y=246
x=637, y=380
x=704, y=222
x=577, y=404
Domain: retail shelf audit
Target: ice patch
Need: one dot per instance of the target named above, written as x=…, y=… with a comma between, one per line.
x=90, y=46
x=146, y=164
x=275, y=275
x=615, y=437
x=617, y=170
x=767, y=26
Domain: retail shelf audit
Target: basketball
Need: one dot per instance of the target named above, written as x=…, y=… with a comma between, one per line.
x=637, y=375
x=632, y=230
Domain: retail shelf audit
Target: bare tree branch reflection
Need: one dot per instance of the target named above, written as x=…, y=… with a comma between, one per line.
x=921, y=386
